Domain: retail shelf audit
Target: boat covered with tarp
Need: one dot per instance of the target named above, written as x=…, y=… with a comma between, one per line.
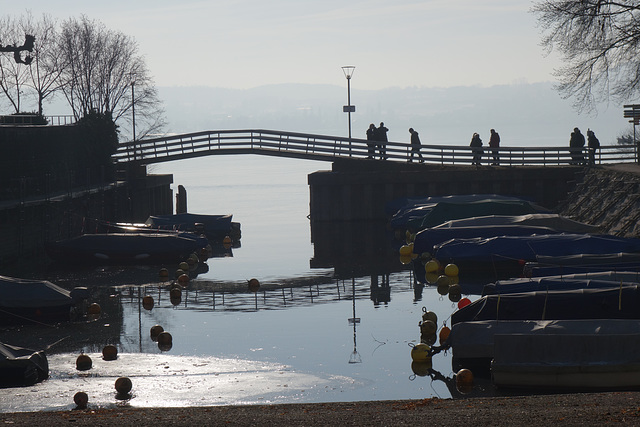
x=126, y=248
x=399, y=207
x=213, y=226
x=40, y=301
x=551, y=220
x=474, y=344
x=553, y=283
x=427, y=239
x=581, y=263
x=621, y=302
x=22, y=366
x=505, y=256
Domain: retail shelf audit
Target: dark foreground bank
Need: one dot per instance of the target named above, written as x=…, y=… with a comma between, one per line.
x=565, y=409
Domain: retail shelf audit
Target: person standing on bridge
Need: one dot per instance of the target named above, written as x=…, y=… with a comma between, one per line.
x=381, y=136
x=593, y=144
x=576, y=144
x=371, y=141
x=415, y=145
x=476, y=149
x=494, y=143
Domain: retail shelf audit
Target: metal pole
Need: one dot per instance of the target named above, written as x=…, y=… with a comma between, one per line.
x=133, y=112
x=349, y=113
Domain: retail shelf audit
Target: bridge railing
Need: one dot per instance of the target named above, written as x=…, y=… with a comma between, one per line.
x=328, y=148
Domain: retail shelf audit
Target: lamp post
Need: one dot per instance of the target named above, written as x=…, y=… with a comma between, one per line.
x=133, y=112
x=348, y=72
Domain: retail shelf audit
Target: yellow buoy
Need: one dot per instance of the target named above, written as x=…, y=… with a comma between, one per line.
x=420, y=352
x=431, y=266
x=83, y=362
x=421, y=369
x=431, y=278
x=451, y=270
x=429, y=315
x=427, y=327
x=109, y=352
x=123, y=385
x=406, y=250
x=405, y=259
x=81, y=399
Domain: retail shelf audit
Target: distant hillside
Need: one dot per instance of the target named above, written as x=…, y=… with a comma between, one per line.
x=523, y=114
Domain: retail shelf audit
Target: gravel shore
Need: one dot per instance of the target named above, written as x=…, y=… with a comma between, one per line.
x=581, y=409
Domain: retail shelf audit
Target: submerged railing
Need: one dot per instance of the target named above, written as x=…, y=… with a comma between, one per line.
x=329, y=148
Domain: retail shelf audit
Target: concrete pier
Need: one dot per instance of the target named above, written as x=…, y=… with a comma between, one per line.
x=359, y=189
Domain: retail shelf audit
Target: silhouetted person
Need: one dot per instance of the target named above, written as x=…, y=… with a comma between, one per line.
x=476, y=149
x=576, y=144
x=494, y=143
x=593, y=144
x=415, y=145
x=371, y=141
x=381, y=136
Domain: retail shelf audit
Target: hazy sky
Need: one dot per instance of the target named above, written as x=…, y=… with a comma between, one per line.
x=249, y=43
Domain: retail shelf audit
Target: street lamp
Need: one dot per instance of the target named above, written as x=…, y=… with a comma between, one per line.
x=133, y=112
x=348, y=72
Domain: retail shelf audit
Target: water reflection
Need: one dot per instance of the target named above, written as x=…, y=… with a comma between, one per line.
x=355, y=356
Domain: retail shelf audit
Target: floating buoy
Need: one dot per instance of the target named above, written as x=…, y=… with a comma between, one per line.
x=94, y=308
x=155, y=331
x=463, y=303
x=406, y=250
x=175, y=292
x=147, y=302
x=204, y=254
x=83, y=362
x=429, y=339
x=109, y=352
x=254, y=285
x=183, y=280
x=180, y=272
x=420, y=352
x=192, y=260
x=464, y=377
x=429, y=315
x=81, y=399
x=455, y=293
x=164, y=274
x=443, y=284
x=123, y=386
x=444, y=334
x=431, y=278
x=226, y=240
x=427, y=327
x=165, y=337
x=431, y=266
x=421, y=369
x=451, y=270
x=184, y=266
x=405, y=259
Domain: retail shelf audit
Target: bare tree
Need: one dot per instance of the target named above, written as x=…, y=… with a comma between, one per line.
x=45, y=70
x=13, y=74
x=599, y=41
x=100, y=67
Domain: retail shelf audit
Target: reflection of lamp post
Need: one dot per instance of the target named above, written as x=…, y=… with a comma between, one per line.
x=355, y=356
x=348, y=72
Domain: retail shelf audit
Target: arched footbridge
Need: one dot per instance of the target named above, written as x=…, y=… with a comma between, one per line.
x=329, y=148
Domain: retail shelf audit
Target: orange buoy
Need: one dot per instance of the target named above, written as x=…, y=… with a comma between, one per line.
x=147, y=302
x=444, y=334
x=109, y=352
x=463, y=303
x=464, y=377
x=183, y=280
x=81, y=399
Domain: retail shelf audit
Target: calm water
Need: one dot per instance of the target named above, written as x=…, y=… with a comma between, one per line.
x=293, y=341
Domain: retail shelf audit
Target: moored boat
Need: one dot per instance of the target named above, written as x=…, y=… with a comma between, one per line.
x=126, y=248
x=22, y=366
x=213, y=226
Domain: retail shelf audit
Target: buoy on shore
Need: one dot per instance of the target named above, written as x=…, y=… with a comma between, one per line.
x=81, y=399
x=123, y=386
x=109, y=352
x=83, y=362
